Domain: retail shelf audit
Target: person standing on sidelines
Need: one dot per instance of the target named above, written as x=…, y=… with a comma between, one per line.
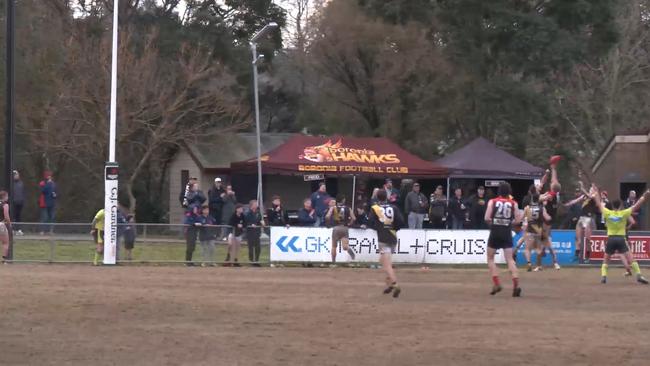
x=386, y=219
x=5, y=225
x=235, y=237
x=253, y=222
x=416, y=206
x=18, y=202
x=277, y=215
x=616, y=221
x=97, y=233
x=207, y=236
x=192, y=224
x=502, y=212
x=47, y=201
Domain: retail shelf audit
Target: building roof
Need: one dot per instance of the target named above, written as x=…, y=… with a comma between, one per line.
x=341, y=155
x=632, y=137
x=219, y=152
x=482, y=159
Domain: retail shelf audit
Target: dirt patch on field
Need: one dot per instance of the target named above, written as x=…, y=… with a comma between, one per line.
x=53, y=315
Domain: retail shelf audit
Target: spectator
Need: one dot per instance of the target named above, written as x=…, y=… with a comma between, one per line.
x=228, y=209
x=276, y=215
x=129, y=236
x=638, y=215
x=47, y=201
x=361, y=217
x=196, y=196
x=216, y=195
x=392, y=193
x=438, y=209
x=192, y=222
x=457, y=210
x=477, y=210
x=18, y=202
x=97, y=233
x=5, y=225
x=253, y=223
x=319, y=201
x=235, y=237
x=207, y=236
x=373, y=197
x=307, y=214
x=570, y=221
x=600, y=220
x=416, y=207
x=182, y=197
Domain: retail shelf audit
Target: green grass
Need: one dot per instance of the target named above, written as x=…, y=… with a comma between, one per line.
x=82, y=251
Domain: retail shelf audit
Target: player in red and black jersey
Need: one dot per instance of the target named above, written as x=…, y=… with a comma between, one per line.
x=502, y=212
x=386, y=219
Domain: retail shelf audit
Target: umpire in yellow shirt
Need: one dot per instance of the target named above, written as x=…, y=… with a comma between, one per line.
x=616, y=221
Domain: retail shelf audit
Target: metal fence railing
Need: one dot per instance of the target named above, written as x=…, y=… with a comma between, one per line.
x=154, y=243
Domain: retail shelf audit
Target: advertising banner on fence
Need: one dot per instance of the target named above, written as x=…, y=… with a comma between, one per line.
x=639, y=244
x=301, y=244
x=562, y=242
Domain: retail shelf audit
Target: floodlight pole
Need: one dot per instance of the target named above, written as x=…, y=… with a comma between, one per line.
x=111, y=169
x=9, y=110
x=253, y=43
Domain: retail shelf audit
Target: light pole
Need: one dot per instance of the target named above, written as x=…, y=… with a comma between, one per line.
x=9, y=110
x=111, y=171
x=259, y=35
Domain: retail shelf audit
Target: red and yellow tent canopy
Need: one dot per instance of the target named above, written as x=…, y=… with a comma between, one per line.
x=341, y=156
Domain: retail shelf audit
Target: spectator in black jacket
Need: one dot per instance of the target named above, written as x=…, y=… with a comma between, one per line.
x=307, y=214
x=438, y=209
x=477, y=210
x=195, y=197
x=253, y=223
x=277, y=215
x=361, y=217
x=215, y=200
x=235, y=237
x=457, y=210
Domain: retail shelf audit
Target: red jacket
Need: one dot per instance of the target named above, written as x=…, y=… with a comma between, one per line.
x=41, y=197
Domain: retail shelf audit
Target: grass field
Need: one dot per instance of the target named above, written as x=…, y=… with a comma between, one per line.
x=171, y=315
x=83, y=251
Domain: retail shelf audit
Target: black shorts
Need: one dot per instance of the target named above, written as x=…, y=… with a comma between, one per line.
x=616, y=244
x=129, y=243
x=500, y=239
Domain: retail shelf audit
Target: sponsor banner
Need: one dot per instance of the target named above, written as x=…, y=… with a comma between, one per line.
x=639, y=244
x=458, y=246
x=111, y=175
x=562, y=242
x=302, y=244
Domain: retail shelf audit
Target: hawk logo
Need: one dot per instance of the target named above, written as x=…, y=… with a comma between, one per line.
x=320, y=153
x=329, y=153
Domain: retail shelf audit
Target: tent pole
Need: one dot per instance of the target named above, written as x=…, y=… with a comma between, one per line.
x=354, y=191
x=448, y=187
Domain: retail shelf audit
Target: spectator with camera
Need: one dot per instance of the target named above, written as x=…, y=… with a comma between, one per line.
x=276, y=214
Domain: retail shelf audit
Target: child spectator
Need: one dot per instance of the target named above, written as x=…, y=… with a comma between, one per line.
x=129, y=236
x=192, y=222
x=207, y=236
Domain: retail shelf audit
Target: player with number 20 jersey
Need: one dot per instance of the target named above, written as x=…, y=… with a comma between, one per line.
x=502, y=212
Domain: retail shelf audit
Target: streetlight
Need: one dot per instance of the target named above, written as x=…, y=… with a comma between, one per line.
x=259, y=35
x=9, y=109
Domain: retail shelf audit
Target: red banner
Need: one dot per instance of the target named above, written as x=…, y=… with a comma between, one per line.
x=639, y=246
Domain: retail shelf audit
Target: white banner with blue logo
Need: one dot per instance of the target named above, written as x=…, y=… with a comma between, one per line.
x=302, y=244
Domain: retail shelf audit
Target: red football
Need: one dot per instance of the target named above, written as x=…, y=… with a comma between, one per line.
x=554, y=159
